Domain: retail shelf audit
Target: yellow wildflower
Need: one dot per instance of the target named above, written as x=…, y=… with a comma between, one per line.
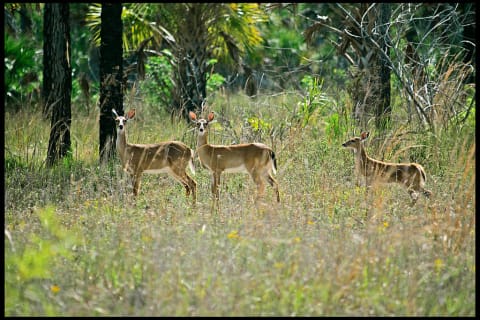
x=55, y=288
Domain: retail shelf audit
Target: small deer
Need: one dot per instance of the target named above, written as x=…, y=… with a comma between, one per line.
x=410, y=175
x=256, y=159
x=170, y=157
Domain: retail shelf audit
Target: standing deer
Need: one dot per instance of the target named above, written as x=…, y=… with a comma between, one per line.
x=170, y=157
x=256, y=159
x=410, y=175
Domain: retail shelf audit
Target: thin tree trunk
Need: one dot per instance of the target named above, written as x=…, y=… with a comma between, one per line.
x=384, y=110
x=191, y=55
x=111, y=73
x=58, y=72
x=48, y=59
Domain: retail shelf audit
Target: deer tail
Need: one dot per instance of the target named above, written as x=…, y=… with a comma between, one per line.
x=422, y=172
x=274, y=160
x=190, y=162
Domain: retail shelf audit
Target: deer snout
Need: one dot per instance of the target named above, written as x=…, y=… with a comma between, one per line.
x=344, y=144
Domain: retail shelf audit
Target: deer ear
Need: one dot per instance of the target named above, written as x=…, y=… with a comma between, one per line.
x=192, y=115
x=115, y=113
x=364, y=135
x=211, y=115
x=131, y=113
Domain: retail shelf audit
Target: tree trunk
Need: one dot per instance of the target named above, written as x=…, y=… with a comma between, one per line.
x=191, y=56
x=48, y=60
x=384, y=110
x=111, y=72
x=365, y=28
x=192, y=84
x=374, y=96
x=57, y=78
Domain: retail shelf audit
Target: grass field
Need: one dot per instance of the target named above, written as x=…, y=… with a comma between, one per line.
x=77, y=244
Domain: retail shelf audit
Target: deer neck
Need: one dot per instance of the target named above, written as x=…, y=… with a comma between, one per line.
x=361, y=159
x=121, y=144
x=202, y=140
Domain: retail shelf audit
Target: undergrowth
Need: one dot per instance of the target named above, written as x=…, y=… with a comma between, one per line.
x=78, y=244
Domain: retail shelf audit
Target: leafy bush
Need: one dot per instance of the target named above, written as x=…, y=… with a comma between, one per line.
x=30, y=266
x=158, y=85
x=21, y=65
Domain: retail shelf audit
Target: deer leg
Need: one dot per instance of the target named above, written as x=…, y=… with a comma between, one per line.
x=413, y=194
x=193, y=187
x=427, y=193
x=187, y=182
x=358, y=179
x=260, y=184
x=187, y=188
x=421, y=189
x=136, y=179
x=416, y=187
x=179, y=176
x=274, y=184
x=215, y=185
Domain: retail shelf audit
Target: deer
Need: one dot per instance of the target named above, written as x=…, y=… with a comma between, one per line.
x=410, y=175
x=256, y=159
x=171, y=157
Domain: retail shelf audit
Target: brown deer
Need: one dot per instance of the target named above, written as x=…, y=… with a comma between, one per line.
x=256, y=159
x=410, y=175
x=170, y=157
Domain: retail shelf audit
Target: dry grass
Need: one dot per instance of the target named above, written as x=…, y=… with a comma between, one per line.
x=76, y=244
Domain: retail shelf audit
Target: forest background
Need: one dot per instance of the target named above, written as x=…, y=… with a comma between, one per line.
x=302, y=78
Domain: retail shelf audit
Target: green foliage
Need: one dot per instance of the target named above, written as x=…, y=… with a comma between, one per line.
x=258, y=124
x=13, y=162
x=260, y=128
x=308, y=82
x=214, y=80
x=285, y=39
x=329, y=248
x=20, y=60
x=466, y=117
x=332, y=128
x=237, y=19
x=158, y=84
x=315, y=100
x=67, y=160
x=31, y=264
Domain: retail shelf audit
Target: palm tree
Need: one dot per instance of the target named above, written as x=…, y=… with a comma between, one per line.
x=195, y=33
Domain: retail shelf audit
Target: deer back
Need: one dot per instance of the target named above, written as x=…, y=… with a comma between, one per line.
x=158, y=157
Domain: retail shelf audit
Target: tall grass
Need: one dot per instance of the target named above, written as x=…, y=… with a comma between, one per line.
x=77, y=244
